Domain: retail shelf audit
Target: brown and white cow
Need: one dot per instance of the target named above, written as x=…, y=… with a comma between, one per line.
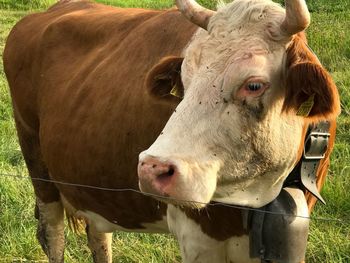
x=91, y=88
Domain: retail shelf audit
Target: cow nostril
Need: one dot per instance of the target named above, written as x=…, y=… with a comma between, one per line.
x=154, y=166
x=171, y=171
x=167, y=175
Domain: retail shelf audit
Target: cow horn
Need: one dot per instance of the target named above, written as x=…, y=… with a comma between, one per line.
x=195, y=12
x=297, y=17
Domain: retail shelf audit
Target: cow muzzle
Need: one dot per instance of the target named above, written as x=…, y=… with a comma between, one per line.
x=179, y=181
x=157, y=177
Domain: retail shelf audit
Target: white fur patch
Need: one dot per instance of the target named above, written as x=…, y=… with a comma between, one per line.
x=103, y=225
x=198, y=247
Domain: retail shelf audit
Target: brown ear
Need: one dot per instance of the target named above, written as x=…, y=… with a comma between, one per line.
x=164, y=79
x=306, y=78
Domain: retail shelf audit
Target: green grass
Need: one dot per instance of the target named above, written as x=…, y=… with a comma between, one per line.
x=329, y=241
x=40, y=4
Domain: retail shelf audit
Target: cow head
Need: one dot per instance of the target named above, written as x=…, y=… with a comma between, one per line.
x=236, y=134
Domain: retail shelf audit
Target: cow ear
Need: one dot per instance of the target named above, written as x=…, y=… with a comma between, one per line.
x=310, y=90
x=164, y=79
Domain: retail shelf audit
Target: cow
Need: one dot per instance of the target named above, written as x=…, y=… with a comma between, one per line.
x=205, y=111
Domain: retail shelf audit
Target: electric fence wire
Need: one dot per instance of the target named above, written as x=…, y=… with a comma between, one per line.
x=22, y=177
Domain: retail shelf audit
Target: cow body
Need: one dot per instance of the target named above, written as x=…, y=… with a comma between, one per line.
x=79, y=75
x=93, y=60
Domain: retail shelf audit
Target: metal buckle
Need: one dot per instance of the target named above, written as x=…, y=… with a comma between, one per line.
x=316, y=145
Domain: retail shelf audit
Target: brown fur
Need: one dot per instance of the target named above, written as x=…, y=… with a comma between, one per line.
x=219, y=222
x=305, y=77
x=164, y=76
x=80, y=104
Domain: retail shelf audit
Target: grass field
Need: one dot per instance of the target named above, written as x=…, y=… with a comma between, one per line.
x=329, y=241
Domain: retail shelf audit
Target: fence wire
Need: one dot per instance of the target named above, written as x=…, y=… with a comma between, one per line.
x=23, y=177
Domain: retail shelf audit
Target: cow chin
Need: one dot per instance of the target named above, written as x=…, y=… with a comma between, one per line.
x=170, y=197
x=177, y=194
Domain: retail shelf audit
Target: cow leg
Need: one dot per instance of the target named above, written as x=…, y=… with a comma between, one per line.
x=100, y=244
x=49, y=208
x=50, y=231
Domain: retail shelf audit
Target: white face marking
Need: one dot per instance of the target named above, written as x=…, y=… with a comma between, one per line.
x=229, y=145
x=196, y=246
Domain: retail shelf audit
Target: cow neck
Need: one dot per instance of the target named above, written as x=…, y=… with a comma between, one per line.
x=222, y=222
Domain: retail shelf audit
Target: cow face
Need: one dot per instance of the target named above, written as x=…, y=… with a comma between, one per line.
x=235, y=136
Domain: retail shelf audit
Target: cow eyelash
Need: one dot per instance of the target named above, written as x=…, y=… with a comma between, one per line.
x=255, y=86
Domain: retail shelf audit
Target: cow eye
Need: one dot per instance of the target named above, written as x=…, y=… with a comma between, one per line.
x=254, y=86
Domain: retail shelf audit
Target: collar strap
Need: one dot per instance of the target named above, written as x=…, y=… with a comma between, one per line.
x=304, y=174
